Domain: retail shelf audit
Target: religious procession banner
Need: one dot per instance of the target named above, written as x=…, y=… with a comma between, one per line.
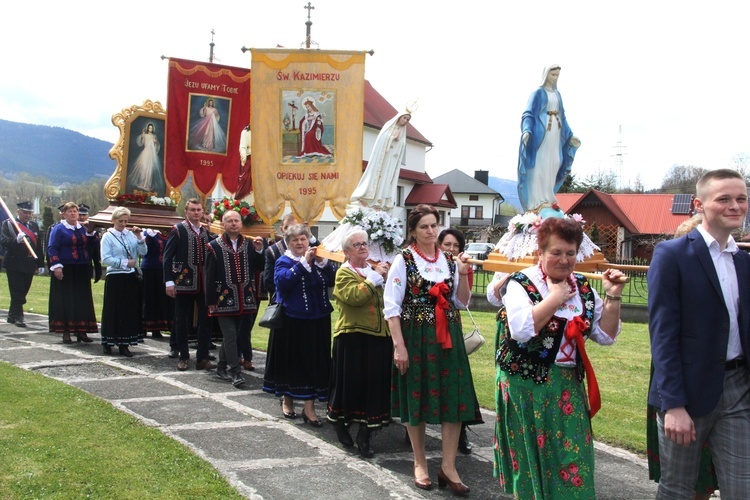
x=208, y=106
x=307, y=121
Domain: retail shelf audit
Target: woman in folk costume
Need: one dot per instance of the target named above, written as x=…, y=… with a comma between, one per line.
x=543, y=442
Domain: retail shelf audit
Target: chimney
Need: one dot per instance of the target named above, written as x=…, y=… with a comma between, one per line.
x=482, y=176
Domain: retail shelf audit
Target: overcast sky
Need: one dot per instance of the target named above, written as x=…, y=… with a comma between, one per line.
x=664, y=72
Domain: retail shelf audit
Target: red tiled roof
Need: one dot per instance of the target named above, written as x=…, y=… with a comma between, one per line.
x=638, y=213
x=414, y=176
x=437, y=195
x=378, y=111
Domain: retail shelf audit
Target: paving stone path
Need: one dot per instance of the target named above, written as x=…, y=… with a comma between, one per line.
x=243, y=434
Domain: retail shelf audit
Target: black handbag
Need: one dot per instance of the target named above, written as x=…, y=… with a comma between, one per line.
x=273, y=317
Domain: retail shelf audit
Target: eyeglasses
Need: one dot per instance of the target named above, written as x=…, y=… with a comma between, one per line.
x=359, y=244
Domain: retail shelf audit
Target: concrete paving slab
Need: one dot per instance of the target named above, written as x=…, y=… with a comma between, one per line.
x=321, y=482
x=171, y=411
x=247, y=443
x=127, y=388
x=88, y=370
x=37, y=354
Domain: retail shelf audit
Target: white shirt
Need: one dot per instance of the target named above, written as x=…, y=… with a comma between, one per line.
x=724, y=265
x=395, y=285
x=521, y=321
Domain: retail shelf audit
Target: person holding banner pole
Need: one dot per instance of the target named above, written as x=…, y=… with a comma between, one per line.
x=24, y=256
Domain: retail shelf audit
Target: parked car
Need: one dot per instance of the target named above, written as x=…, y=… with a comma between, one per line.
x=479, y=251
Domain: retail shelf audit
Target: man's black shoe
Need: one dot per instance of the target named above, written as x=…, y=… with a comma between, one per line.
x=173, y=354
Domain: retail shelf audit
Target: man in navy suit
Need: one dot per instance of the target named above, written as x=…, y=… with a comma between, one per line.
x=699, y=321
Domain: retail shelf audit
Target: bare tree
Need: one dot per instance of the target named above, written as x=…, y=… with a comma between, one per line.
x=681, y=179
x=741, y=163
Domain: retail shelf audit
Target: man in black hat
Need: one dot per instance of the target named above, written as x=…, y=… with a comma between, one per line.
x=95, y=270
x=20, y=265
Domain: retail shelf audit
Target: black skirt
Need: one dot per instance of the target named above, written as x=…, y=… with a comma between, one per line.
x=158, y=307
x=298, y=362
x=360, y=388
x=71, y=305
x=122, y=311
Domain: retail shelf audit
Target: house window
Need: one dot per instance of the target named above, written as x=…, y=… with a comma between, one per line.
x=473, y=197
x=399, y=195
x=471, y=212
x=441, y=222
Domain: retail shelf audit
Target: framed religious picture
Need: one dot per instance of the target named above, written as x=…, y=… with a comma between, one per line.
x=208, y=119
x=139, y=152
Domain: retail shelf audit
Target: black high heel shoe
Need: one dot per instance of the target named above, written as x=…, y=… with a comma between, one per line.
x=291, y=415
x=82, y=337
x=125, y=351
x=314, y=423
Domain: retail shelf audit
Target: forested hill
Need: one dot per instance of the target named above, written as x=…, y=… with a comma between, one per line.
x=58, y=154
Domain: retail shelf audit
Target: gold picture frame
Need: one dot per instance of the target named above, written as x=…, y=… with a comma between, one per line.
x=139, y=153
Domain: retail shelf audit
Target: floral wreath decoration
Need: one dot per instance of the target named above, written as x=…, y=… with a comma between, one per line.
x=247, y=212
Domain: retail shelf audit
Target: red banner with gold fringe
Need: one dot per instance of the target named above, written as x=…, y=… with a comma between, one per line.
x=208, y=106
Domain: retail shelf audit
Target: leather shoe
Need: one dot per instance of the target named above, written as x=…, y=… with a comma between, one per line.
x=182, y=365
x=222, y=373
x=173, y=354
x=464, y=445
x=423, y=484
x=211, y=357
x=459, y=488
x=363, y=441
x=204, y=364
x=248, y=365
x=125, y=351
x=238, y=380
x=343, y=433
x=11, y=319
x=314, y=423
x=291, y=415
x=66, y=338
x=82, y=337
x=20, y=322
x=106, y=348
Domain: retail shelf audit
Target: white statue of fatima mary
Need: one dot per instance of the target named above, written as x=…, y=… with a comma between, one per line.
x=373, y=199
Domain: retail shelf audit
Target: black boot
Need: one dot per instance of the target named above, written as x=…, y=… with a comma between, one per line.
x=125, y=351
x=464, y=445
x=363, y=441
x=343, y=433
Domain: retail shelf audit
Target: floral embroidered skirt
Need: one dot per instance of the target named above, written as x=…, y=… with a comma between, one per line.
x=543, y=442
x=437, y=387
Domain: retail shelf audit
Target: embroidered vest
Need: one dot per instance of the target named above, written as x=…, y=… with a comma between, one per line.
x=418, y=307
x=188, y=261
x=532, y=359
x=233, y=277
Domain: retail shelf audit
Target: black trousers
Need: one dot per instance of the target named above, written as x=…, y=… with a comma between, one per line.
x=19, y=285
x=184, y=307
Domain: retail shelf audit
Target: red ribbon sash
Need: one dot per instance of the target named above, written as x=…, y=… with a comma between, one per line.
x=441, y=320
x=28, y=233
x=574, y=331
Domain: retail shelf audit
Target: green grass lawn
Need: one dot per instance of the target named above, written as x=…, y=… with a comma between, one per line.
x=59, y=442
x=622, y=369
